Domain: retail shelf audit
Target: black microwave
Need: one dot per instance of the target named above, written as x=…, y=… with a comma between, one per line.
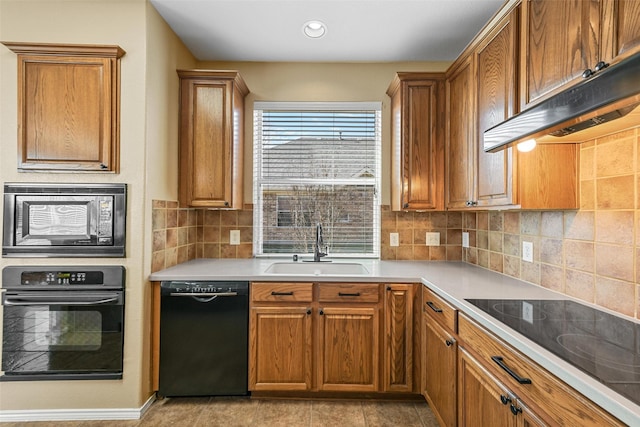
x=64, y=220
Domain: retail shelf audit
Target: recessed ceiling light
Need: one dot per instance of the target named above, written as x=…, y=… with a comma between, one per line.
x=314, y=29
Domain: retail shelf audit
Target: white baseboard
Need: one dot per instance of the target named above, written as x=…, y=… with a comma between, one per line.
x=76, y=414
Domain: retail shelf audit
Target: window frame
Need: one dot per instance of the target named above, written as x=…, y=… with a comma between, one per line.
x=366, y=182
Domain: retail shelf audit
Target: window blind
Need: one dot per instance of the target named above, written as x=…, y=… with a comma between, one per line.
x=317, y=163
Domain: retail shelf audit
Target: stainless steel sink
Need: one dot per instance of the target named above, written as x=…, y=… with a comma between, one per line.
x=317, y=268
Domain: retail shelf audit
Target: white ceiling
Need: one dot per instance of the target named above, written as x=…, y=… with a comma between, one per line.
x=357, y=30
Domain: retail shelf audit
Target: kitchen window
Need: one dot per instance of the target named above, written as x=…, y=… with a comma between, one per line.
x=317, y=163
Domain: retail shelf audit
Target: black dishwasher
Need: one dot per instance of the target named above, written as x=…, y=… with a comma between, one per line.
x=204, y=338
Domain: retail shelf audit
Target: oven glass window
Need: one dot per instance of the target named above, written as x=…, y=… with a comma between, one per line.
x=62, y=339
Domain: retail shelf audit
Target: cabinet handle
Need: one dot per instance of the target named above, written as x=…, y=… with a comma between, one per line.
x=347, y=294
x=274, y=293
x=499, y=360
x=515, y=410
x=433, y=307
x=504, y=399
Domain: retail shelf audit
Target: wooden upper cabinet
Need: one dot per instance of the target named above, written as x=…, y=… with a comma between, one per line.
x=417, y=154
x=560, y=39
x=68, y=107
x=460, y=134
x=496, y=101
x=620, y=29
x=211, y=138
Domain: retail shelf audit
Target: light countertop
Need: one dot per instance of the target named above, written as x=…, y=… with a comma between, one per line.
x=455, y=282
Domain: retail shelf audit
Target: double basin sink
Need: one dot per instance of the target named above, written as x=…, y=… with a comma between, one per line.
x=317, y=268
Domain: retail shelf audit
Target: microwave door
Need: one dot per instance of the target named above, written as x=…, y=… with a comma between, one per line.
x=55, y=222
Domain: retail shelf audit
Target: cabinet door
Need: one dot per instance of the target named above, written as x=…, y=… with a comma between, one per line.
x=620, y=29
x=481, y=396
x=439, y=371
x=68, y=107
x=460, y=140
x=280, y=347
x=417, y=151
x=560, y=40
x=496, y=101
x=398, y=345
x=211, y=135
x=348, y=349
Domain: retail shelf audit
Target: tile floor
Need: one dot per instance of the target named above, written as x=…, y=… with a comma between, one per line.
x=230, y=412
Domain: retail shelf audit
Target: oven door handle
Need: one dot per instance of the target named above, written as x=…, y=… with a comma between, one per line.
x=48, y=299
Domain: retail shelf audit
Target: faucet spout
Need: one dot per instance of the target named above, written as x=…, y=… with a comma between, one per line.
x=317, y=250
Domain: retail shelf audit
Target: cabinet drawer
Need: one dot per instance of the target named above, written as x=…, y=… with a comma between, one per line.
x=270, y=292
x=349, y=292
x=547, y=394
x=440, y=310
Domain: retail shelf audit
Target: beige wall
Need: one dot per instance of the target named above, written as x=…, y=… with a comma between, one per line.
x=147, y=137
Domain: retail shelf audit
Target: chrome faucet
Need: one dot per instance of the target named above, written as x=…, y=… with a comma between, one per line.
x=317, y=250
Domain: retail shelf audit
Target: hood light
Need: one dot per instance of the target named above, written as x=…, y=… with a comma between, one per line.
x=527, y=145
x=314, y=29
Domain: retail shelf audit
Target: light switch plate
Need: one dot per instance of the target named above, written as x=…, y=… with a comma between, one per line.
x=234, y=237
x=394, y=239
x=432, y=238
x=527, y=251
x=465, y=239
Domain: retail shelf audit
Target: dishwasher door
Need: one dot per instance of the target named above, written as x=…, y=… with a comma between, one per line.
x=204, y=338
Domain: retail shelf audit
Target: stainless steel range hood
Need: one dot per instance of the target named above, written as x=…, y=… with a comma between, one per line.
x=608, y=95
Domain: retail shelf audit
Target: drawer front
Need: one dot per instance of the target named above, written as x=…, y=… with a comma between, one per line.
x=440, y=310
x=349, y=292
x=282, y=292
x=549, y=395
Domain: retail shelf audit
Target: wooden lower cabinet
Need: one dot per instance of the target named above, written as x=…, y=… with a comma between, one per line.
x=281, y=348
x=332, y=337
x=348, y=348
x=485, y=401
x=439, y=371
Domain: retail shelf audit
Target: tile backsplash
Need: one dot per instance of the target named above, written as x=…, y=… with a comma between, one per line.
x=592, y=254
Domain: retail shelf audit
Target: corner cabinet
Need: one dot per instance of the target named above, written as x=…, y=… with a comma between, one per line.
x=68, y=107
x=417, y=132
x=211, y=138
x=481, y=89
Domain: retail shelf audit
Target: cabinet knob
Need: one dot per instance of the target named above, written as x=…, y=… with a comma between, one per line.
x=226, y=203
x=505, y=399
x=321, y=312
x=388, y=288
x=601, y=65
x=515, y=410
x=103, y=166
x=406, y=205
x=587, y=73
x=449, y=343
x=308, y=311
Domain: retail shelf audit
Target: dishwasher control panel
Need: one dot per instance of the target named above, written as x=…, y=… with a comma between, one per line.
x=208, y=287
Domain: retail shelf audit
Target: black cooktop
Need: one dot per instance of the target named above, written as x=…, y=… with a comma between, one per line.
x=605, y=346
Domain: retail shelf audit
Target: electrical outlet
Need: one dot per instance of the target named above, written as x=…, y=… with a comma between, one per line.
x=394, y=239
x=527, y=311
x=432, y=238
x=234, y=237
x=527, y=251
x=465, y=239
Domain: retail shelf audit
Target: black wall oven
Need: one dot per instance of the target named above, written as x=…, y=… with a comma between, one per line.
x=62, y=323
